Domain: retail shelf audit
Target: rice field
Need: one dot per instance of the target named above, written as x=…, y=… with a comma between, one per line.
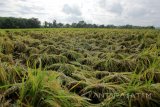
x=79, y=68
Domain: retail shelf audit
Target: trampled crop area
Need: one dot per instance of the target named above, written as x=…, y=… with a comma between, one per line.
x=79, y=68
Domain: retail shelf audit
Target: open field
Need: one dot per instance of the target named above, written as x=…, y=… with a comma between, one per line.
x=79, y=68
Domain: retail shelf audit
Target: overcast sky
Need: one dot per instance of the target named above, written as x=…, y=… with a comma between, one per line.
x=118, y=12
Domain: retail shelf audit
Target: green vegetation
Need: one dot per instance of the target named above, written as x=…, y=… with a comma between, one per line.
x=79, y=68
x=13, y=22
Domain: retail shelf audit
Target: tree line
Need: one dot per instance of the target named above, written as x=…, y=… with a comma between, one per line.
x=12, y=22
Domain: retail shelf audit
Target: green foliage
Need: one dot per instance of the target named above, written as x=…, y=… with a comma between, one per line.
x=11, y=22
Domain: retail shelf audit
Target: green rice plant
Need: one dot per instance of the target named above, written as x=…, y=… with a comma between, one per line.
x=33, y=61
x=15, y=73
x=19, y=47
x=22, y=58
x=37, y=36
x=10, y=95
x=86, y=46
x=86, y=74
x=34, y=43
x=86, y=61
x=111, y=55
x=31, y=50
x=0, y=48
x=67, y=69
x=110, y=65
x=115, y=78
x=135, y=95
x=72, y=55
x=85, y=67
x=64, y=80
x=146, y=58
x=158, y=41
x=151, y=75
x=127, y=65
x=98, y=92
x=51, y=49
x=106, y=68
x=7, y=47
x=102, y=74
x=3, y=75
x=43, y=89
x=60, y=59
x=7, y=58
x=76, y=86
x=2, y=33
x=47, y=42
x=12, y=74
x=149, y=96
x=48, y=60
x=79, y=77
x=75, y=63
x=110, y=102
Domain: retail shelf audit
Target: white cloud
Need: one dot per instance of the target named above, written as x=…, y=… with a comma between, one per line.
x=118, y=12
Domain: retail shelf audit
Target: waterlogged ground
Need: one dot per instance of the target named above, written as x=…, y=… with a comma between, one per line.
x=80, y=67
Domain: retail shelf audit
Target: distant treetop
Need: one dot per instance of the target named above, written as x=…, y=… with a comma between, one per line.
x=12, y=22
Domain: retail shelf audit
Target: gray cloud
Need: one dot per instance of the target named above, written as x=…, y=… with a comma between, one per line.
x=136, y=12
x=2, y=4
x=23, y=0
x=118, y=12
x=71, y=10
x=115, y=7
x=71, y=19
x=30, y=9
